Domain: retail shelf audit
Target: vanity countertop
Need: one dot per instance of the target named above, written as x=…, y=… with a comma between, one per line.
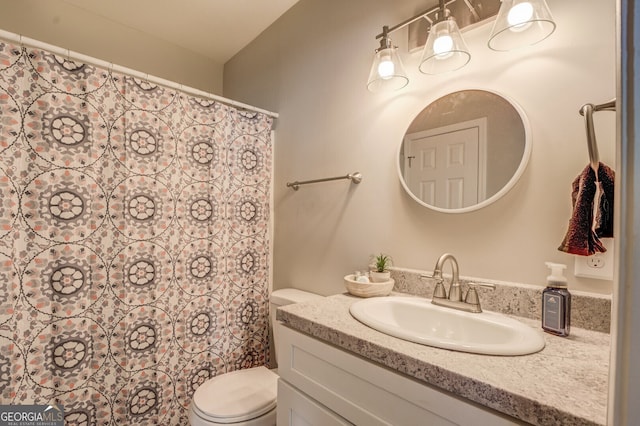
x=564, y=384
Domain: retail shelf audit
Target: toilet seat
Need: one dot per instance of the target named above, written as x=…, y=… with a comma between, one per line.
x=237, y=396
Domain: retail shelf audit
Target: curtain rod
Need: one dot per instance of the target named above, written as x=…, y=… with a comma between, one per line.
x=25, y=41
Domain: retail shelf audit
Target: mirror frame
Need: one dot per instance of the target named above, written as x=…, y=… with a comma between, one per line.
x=506, y=188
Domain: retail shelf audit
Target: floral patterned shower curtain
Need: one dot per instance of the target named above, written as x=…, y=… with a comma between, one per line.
x=134, y=248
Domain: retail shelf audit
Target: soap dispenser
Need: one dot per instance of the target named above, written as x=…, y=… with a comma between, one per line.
x=556, y=302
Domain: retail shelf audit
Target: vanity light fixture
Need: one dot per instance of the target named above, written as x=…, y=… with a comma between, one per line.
x=445, y=49
x=387, y=71
x=521, y=23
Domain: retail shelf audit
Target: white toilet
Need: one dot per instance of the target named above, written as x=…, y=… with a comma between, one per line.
x=244, y=397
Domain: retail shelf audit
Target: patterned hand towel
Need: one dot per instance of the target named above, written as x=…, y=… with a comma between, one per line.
x=584, y=226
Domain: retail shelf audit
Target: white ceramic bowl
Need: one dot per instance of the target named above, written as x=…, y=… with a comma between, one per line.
x=367, y=289
x=417, y=320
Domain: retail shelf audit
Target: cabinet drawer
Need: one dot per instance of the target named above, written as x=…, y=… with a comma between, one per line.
x=365, y=393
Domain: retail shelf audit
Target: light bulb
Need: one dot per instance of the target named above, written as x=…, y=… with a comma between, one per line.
x=521, y=23
x=520, y=14
x=386, y=68
x=443, y=45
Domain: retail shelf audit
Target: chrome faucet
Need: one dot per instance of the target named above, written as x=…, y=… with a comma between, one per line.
x=453, y=299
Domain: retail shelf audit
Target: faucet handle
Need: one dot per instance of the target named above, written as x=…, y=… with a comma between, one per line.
x=485, y=285
x=438, y=291
x=472, y=297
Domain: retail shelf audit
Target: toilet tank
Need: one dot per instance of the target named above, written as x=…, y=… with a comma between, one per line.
x=282, y=297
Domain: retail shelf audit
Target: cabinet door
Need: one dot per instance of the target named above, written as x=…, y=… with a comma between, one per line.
x=296, y=409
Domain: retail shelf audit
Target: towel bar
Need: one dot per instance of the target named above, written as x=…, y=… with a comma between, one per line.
x=355, y=177
x=587, y=111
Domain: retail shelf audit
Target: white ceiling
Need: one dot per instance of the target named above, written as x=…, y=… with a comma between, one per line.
x=217, y=29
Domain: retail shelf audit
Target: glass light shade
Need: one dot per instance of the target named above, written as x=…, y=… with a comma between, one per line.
x=387, y=72
x=521, y=23
x=445, y=50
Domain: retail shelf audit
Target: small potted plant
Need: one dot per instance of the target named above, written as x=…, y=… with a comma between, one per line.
x=380, y=273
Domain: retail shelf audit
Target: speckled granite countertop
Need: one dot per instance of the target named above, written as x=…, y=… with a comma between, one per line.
x=564, y=384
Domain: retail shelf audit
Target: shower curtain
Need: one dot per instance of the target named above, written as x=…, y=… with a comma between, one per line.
x=134, y=245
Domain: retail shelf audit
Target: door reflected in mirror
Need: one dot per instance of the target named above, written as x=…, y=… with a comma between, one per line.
x=464, y=151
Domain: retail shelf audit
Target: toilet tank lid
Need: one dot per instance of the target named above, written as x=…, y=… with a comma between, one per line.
x=286, y=296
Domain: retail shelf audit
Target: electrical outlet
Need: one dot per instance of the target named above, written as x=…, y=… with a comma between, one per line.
x=595, y=262
x=599, y=265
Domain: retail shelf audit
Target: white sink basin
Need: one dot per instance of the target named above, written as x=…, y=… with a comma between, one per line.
x=419, y=321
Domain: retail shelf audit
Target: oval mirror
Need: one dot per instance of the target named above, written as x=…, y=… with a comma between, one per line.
x=464, y=151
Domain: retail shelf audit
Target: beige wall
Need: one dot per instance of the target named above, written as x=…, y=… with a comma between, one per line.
x=311, y=67
x=65, y=25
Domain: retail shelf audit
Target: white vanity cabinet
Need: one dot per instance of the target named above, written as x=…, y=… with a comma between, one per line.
x=323, y=385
